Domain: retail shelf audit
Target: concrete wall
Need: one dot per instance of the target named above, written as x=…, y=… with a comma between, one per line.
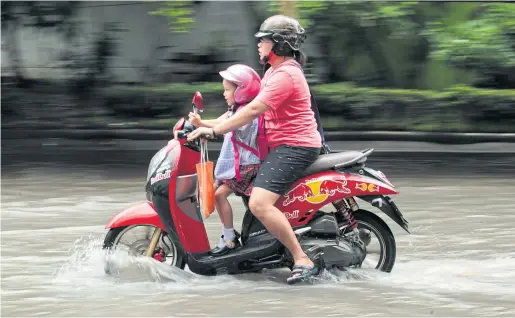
x=227, y=22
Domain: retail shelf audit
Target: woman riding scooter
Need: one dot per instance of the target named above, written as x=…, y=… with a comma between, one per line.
x=290, y=128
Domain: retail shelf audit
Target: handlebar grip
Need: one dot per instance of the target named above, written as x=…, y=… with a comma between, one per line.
x=181, y=134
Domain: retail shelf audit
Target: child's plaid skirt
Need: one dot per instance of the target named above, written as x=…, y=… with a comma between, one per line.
x=248, y=173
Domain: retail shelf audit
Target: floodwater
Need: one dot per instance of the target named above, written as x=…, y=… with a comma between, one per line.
x=458, y=261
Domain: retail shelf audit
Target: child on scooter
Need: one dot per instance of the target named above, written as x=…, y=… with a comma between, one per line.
x=236, y=166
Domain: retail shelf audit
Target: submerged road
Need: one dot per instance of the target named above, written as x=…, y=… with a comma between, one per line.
x=458, y=261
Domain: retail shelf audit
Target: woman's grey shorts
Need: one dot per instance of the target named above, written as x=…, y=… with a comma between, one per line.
x=284, y=165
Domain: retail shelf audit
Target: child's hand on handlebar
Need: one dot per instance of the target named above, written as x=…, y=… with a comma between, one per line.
x=200, y=132
x=195, y=119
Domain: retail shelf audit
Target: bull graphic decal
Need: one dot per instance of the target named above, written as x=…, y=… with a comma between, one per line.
x=316, y=191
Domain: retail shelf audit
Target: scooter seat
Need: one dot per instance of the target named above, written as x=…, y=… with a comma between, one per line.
x=332, y=160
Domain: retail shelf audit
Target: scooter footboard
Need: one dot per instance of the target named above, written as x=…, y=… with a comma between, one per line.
x=140, y=213
x=385, y=204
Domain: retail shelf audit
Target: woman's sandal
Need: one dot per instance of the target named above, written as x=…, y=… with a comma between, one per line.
x=300, y=273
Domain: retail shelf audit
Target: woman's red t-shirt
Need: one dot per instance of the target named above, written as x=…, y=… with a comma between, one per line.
x=289, y=119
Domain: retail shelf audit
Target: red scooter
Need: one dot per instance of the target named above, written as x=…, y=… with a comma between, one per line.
x=332, y=239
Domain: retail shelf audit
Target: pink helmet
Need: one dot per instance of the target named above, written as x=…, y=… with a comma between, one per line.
x=247, y=81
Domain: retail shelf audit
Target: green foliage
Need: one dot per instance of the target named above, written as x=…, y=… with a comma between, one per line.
x=459, y=108
x=349, y=31
x=305, y=8
x=346, y=106
x=485, y=44
x=368, y=13
x=179, y=14
x=389, y=44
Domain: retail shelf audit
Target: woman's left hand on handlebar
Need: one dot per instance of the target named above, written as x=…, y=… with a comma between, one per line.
x=202, y=131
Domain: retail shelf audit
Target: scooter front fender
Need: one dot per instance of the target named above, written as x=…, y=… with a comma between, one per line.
x=140, y=213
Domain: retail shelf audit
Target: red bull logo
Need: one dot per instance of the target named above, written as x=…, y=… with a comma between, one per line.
x=160, y=176
x=293, y=215
x=316, y=191
x=367, y=186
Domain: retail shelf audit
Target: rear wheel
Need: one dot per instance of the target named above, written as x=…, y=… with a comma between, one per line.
x=379, y=241
x=135, y=240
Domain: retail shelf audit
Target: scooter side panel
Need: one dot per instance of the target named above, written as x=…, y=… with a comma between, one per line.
x=185, y=212
x=140, y=213
x=309, y=194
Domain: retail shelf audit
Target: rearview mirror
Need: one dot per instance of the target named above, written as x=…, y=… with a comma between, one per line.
x=197, y=102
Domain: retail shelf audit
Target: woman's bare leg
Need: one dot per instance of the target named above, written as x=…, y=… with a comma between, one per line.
x=261, y=204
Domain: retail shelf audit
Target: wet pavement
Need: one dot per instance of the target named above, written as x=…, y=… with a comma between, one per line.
x=458, y=261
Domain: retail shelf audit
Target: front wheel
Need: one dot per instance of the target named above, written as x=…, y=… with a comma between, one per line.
x=135, y=239
x=381, y=251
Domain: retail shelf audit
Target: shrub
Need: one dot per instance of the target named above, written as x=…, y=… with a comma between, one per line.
x=347, y=107
x=456, y=109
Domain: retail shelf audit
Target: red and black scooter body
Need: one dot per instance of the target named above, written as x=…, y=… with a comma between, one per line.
x=172, y=205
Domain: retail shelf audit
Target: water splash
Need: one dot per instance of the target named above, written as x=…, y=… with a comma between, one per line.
x=84, y=269
x=86, y=265
x=87, y=262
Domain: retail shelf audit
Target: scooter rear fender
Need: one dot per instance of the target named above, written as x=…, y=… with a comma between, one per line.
x=138, y=214
x=386, y=204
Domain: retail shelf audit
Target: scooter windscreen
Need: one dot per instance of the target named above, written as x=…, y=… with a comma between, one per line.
x=156, y=161
x=159, y=170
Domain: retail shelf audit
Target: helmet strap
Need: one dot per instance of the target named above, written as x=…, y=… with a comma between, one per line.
x=283, y=48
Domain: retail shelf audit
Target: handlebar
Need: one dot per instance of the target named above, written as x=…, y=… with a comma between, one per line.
x=182, y=134
x=188, y=128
